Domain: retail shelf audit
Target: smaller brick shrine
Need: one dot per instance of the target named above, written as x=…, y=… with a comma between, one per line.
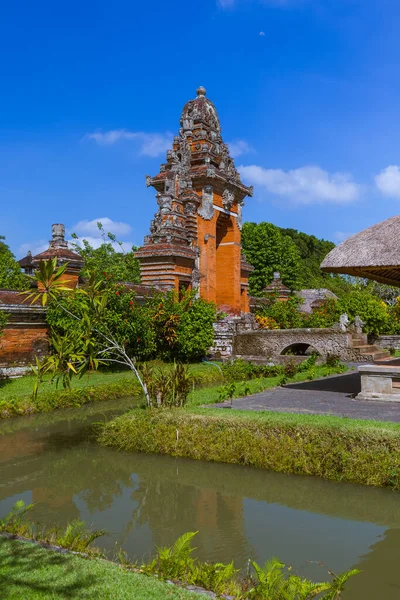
x=58, y=248
x=195, y=237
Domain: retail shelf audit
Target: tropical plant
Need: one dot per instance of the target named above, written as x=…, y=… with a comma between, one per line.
x=167, y=387
x=183, y=325
x=94, y=342
x=272, y=581
x=76, y=536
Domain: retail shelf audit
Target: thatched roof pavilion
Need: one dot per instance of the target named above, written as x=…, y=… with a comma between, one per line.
x=373, y=253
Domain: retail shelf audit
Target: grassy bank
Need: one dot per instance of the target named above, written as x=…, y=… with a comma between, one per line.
x=15, y=394
x=31, y=572
x=335, y=448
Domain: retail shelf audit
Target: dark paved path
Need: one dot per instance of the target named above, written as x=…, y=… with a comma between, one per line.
x=328, y=396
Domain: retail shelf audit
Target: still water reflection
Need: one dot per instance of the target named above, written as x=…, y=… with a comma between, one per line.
x=239, y=512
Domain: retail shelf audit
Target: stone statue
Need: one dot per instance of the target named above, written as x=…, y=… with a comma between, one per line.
x=343, y=324
x=359, y=324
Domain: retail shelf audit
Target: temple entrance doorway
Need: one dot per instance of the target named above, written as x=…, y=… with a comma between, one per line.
x=227, y=261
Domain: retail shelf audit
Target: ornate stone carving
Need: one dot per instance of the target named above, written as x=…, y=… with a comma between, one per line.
x=148, y=180
x=240, y=215
x=190, y=208
x=164, y=202
x=228, y=198
x=206, y=210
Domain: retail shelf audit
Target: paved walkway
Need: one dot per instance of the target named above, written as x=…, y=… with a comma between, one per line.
x=329, y=396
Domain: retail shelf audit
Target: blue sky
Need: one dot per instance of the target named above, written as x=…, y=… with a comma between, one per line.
x=307, y=91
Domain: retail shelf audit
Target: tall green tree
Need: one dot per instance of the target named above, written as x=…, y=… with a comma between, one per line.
x=269, y=249
x=11, y=276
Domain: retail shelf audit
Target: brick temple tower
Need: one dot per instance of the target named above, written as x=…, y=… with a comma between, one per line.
x=195, y=237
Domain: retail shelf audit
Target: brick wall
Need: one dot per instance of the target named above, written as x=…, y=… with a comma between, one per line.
x=25, y=335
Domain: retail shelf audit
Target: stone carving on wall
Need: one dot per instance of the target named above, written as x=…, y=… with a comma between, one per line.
x=228, y=199
x=164, y=202
x=240, y=214
x=206, y=210
x=148, y=180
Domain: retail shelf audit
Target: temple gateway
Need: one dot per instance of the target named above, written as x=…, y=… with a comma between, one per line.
x=195, y=237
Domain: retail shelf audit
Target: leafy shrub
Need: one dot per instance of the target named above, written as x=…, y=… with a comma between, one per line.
x=332, y=360
x=290, y=369
x=167, y=387
x=240, y=370
x=183, y=326
x=373, y=311
x=266, y=322
x=284, y=314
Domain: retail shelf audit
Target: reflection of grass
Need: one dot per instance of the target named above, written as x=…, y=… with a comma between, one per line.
x=32, y=573
x=15, y=394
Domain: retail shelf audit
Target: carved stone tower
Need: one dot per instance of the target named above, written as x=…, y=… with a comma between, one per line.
x=195, y=237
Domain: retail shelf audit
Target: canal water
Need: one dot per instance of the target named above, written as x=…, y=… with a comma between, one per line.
x=240, y=512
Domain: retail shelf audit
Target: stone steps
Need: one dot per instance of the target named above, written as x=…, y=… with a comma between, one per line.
x=369, y=352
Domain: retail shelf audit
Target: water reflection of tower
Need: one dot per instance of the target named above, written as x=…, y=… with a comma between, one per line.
x=220, y=522
x=170, y=509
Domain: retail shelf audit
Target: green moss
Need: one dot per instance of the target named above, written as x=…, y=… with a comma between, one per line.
x=33, y=573
x=330, y=447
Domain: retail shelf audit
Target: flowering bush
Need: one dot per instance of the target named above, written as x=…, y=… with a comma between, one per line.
x=267, y=322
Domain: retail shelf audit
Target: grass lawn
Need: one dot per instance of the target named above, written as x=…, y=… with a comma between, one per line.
x=22, y=386
x=211, y=395
x=15, y=394
x=29, y=572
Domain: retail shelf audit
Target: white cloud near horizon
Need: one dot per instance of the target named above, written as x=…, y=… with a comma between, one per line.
x=89, y=231
x=90, y=228
x=35, y=247
x=150, y=144
x=239, y=147
x=388, y=181
x=305, y=185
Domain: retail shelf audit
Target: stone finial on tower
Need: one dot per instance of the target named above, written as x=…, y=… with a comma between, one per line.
x=58, y=236
x=201, y=91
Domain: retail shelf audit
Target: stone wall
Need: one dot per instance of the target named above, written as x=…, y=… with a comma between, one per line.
x=389, y=342
x=271, y=344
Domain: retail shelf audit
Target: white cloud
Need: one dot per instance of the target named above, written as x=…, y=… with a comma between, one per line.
x=262, y=33
x=239, y=147
x=150, y=144
x=96, y=242
x=388, y=181
x=90, y=228
x=35, y=247
x=306, y=185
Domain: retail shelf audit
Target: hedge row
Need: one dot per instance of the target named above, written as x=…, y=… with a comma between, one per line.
x=328, y=447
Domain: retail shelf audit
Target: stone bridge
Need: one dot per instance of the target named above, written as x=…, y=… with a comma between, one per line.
x=272, y=344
